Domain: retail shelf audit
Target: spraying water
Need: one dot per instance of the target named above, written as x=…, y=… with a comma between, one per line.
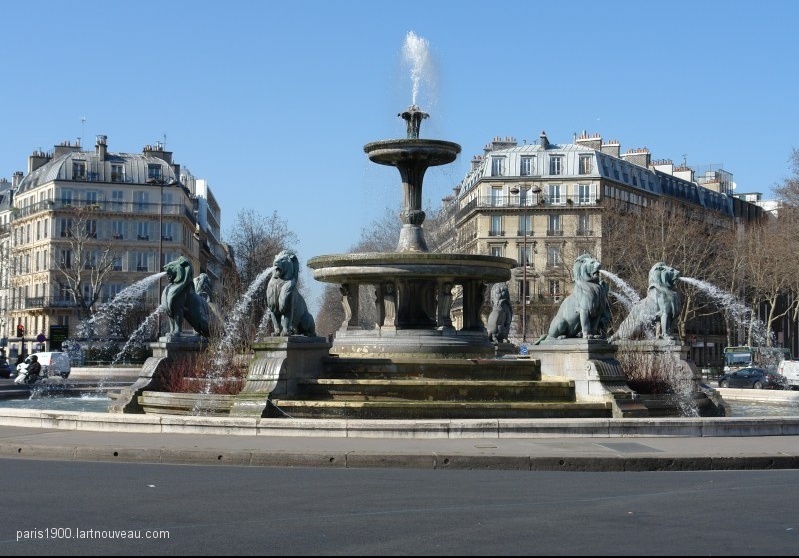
x=629, y=292
x=110, y=314
x=416, y=54
x=737, y=310
x=138, y=335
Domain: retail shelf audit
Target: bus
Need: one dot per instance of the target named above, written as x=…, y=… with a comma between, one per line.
x=736, y=358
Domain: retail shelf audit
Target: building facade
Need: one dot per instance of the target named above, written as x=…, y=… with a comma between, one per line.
x=123, y=215
x=544, y=204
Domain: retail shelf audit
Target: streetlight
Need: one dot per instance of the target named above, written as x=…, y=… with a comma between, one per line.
x=160, y=264
x=516, y=190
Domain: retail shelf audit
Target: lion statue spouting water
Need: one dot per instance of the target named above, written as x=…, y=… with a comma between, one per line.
x=657, y=310
x=180, y=301
x=585, y=312
x=286, y=305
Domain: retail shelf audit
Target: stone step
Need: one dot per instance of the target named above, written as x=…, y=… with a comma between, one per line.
x=483, y=369
x=436, y=389
x=387, y=410
x=164, y=403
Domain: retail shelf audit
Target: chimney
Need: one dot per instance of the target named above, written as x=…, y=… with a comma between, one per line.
x=640, y=157
x=16, y=179
x=612, y=148
x=37, y=159
x=476, y=160
x=591, y=142
x=157, y=151
x=543, y=140
x=102, y=147
x=65, y=147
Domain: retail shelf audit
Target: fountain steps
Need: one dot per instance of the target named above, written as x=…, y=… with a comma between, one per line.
x=438, y=409
x=484, y=369
x=435, y=389
x=164, y=403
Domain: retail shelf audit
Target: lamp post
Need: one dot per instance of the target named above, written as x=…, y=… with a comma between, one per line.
x=516, y=190
x=160, y=264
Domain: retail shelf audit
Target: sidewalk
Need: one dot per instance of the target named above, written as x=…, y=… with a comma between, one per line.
x=551, y=444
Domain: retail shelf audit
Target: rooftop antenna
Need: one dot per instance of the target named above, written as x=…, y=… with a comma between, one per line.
x=684, y=163
x=82, y=128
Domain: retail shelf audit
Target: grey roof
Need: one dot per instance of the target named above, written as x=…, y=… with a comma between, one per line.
x=136, y=167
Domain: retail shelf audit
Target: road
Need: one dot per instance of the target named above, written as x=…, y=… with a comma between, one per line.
x=219, y=510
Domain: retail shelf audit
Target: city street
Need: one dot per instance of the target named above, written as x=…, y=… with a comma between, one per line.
x=64, y=508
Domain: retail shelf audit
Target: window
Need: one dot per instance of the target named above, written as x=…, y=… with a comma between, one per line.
x=117, y=173
x=117, y=264
x=65, y=226
x=525, y=255
x=584, y=194
x=525, y=225
x=143, y=230
x=66, y=197
x=497, y=197
x=586, y=164
x=142, y=201
x=142, y=261
x=66, y=258
x=553, y=256
x=497, y=166
x=167, y=231
x=118, y=230
x=554, y=194
x=78, y=170
x=496, y=226
x=523, y=291
x=496, y=251
x=527, y=166
x=154, y=172
x=555, y=164
x=117, y=197
x=555, y=228
x=584, y=225
x=91, y=228
x=554, y=288
x=91, y=197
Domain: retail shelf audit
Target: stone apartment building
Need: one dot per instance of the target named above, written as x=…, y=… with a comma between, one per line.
x=543, y=204
x=142, y=207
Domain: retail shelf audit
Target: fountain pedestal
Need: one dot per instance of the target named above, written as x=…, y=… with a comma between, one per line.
x=592, y=365
x=165, y=351
x=280, y=364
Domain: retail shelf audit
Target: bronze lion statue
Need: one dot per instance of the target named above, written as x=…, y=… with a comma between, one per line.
x=499, y=319
x=585, y=312
x=180, y=301
x=286, y=305
x=657, y=310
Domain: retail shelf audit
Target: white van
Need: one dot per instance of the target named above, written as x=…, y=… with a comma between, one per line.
x=53, y=364
x=790, y=369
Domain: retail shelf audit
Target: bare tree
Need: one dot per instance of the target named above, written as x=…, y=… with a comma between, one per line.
x=254, y=241
x=83, y=263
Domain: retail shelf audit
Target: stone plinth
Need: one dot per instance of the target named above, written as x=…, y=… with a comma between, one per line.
x=279, y=364
x=591, y=363
x=165, y=351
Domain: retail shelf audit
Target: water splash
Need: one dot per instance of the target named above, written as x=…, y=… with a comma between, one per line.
x=110, y=314
x=628, y=291
x=138, y=335
x=224, y=351
x=742, y=315
x=625, y=301
x=416, y=54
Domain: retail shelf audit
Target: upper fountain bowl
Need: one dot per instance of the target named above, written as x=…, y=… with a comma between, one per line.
x=395, y=152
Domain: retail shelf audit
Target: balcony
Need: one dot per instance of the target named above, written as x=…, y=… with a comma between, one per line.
x=496, y=233
x=166, y=238
x=554, y=232
x=142, y=268
x=143, y=237
x=585, y=232
x=116, y=236
x=524, y=233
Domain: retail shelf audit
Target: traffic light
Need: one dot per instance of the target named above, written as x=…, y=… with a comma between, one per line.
x=20, y=330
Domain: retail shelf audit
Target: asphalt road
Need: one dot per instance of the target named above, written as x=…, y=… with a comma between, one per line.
x=68, y=508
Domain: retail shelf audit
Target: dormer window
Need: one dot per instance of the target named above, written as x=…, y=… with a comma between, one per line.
x=78, y=170
x=154, y=173
x=555, y=165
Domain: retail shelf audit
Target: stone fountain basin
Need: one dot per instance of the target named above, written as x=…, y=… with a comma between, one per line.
x=378, y=266
x=433, y=152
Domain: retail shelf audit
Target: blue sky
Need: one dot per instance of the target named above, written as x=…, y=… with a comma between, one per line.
x=272, y=102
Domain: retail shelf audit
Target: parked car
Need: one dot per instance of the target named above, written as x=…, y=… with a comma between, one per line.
x=53, y=364
x=790, y=369
x=755, y=378
x=5, y=369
